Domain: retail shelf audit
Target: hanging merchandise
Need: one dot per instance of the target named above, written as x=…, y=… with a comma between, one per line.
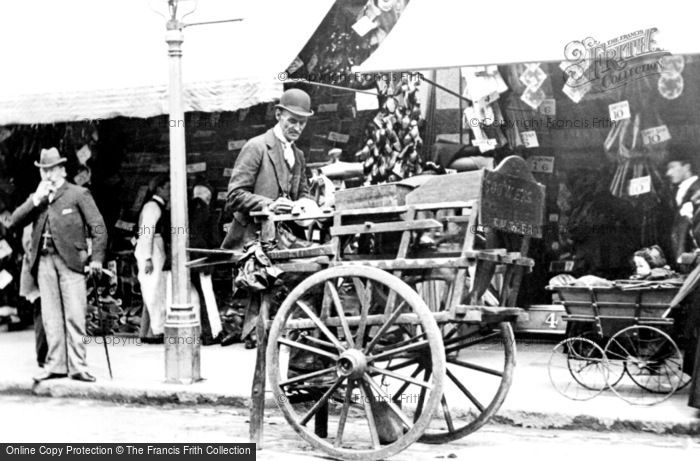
x=483, y=86
x=637, y=143
x=532, y=78
x=393, y=143
x=670, y=82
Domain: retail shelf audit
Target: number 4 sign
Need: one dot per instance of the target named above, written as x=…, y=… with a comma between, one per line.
x=619, y=111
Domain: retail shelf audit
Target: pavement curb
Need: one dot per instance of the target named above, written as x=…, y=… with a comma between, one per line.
x=113, y=392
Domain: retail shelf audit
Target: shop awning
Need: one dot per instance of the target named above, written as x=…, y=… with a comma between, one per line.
x=435, y=34
x=72, y=60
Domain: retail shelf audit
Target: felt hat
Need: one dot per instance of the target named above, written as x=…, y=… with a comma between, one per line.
x=49, y=158
x=297, y=102
x=682, y=153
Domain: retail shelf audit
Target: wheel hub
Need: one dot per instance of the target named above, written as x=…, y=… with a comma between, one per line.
x=352, y=363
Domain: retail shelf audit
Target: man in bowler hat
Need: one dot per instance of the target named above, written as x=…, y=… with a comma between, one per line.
x=269, y=173
x=64, y=216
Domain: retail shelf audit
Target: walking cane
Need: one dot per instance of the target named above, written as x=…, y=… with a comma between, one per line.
x=99, y=311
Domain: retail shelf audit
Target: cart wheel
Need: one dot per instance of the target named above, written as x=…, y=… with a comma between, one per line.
x=355, y=352
x=473, y=381
x=653, y=363
x=616, y=368
x=584, y=361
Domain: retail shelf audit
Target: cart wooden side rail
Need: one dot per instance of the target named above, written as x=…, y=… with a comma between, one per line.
x=399, y=313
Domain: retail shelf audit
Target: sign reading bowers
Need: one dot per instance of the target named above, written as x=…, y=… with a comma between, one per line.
x=513, y=204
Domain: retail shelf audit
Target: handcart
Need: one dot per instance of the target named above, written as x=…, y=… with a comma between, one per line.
x=628, y=348
x=405, y=346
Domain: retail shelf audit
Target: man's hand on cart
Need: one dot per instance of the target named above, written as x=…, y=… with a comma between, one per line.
x=281, y=205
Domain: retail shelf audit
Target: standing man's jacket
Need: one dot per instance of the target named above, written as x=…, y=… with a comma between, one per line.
x=685, y=232
x=259, y=177
x=73, y=217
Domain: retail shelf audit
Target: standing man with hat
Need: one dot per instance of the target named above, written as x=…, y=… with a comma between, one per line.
x=269, y=173
x=64, y=216
x=685, y=240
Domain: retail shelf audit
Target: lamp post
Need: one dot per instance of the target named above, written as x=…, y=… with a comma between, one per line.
x=182, y=328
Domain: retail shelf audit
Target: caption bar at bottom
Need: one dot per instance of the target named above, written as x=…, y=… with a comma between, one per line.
x=241, y=451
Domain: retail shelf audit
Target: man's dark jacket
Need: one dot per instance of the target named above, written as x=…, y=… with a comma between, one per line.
x=73, y=217
x=259, y=177
x=685, y=233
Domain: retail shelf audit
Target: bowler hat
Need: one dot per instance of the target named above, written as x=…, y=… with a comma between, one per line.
x=297, y=102
x=49, y=158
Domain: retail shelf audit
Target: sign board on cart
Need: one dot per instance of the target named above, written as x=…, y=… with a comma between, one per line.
x=512, y=203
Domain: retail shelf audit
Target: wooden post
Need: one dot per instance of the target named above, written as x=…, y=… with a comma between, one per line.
x=257, y=405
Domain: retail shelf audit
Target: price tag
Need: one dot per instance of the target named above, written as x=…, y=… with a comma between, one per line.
x=338, y=137
x=553, y=217
x=486, y=145
x=328, y=107
x=222, y=195
x=228, y=172
x=541, y=164
x=548, y=107
x=124, y=225
x=529, y=139
x=619, y=111
x=197, y=167
x=5, y=249
x=236, y=145
x=656, y=134
x=5, y=279
x=364, y=101
x=363, y=26
x=639, y=186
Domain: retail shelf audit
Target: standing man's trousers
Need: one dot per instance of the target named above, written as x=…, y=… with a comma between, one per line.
x=63, y=308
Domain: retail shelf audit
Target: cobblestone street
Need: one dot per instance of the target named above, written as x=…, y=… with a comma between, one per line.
x=35, y=419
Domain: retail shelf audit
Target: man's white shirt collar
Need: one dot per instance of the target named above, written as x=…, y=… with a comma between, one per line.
x=286, y=145
x=683, y=189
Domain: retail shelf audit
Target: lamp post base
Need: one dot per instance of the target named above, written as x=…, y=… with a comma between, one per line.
x=182, y=358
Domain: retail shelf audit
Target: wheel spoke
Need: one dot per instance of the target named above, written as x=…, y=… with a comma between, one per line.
x=322, y=401
x=344, y=414
x=320, y=342
x=446, y=414
x=465, y=391
x=473, y=366
x=369, y=414
x=616, y=341
x=306, y=347
x=383, y=329
x=310, y=312
x=398, y=350
x=456, y=344
x=421, y=397
x=403, y=364
x=404, y=342
x=401, y=377
x=364, y=302
x=405, y=385
x=407, y=422
x=314, y=374
x=341, y=313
